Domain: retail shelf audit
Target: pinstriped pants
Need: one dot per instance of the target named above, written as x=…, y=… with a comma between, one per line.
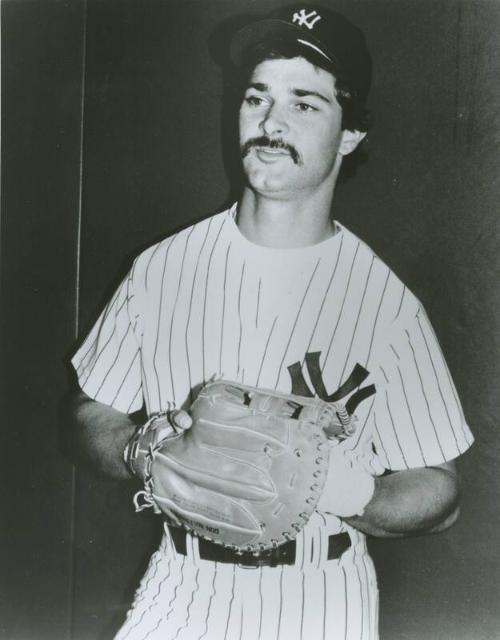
x=187, y=598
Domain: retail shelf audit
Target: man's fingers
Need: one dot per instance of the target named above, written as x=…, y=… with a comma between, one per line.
x=181, y=419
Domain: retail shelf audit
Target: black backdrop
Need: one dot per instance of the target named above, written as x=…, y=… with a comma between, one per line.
x=111, y=138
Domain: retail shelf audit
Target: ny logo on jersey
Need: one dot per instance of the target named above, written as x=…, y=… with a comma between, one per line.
x=304, y=19
x=301, y=388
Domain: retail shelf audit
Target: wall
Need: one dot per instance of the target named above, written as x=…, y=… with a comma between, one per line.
x=41, y=115
x=86, y=184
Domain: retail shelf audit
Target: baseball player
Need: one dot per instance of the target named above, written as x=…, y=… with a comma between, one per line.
x=272, y=293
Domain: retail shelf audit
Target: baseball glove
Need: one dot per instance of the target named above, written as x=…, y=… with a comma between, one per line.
x=249, y=472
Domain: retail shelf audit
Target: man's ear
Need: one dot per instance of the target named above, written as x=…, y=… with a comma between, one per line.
x=349, y=141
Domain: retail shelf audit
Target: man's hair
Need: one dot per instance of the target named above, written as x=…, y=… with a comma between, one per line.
x=355, y=115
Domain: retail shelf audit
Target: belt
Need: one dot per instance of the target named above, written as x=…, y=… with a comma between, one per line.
x=284, y=554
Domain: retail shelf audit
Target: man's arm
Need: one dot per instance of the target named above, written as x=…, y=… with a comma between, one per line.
x=414, y=501
x=98, y=435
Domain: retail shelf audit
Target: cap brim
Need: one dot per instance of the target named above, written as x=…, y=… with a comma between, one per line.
x=271, y=29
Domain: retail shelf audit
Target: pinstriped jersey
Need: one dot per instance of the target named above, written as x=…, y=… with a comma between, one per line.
x=206, y=302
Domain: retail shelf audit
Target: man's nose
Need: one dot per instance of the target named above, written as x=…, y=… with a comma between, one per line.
x=274, y=121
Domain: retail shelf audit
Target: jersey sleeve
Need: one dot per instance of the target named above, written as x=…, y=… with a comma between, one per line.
x=417, y=417
x=108, y=362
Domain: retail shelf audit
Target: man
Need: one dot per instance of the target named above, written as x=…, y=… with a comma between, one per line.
x=274, y=294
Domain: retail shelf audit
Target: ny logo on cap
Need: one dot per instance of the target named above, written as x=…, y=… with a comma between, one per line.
x=306, y=19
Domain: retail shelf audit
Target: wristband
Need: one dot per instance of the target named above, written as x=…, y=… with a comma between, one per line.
x=366, y=489
x=348, y=489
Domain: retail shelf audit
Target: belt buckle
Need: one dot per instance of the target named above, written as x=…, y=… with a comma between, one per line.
x=267, y=558
x=242, y=565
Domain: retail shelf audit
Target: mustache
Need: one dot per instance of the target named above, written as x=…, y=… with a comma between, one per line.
x=271, y=143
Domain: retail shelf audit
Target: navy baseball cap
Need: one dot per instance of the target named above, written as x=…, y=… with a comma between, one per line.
x=337, y=40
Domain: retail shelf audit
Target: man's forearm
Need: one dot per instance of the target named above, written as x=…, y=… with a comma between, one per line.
x=411, y=502
x=99, y=435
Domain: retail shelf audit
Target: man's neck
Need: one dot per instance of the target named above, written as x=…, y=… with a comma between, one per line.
x=284, y=223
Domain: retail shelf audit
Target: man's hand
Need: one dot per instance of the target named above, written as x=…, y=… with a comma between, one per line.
x=159, y=429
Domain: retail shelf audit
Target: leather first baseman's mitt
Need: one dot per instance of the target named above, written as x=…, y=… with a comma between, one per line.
x=249, y=472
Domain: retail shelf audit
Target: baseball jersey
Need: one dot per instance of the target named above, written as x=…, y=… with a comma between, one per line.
x=204, y=303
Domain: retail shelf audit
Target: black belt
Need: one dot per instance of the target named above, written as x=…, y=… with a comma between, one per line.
x=284, y=554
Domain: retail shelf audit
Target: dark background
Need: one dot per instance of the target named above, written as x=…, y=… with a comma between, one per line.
x=111, y=138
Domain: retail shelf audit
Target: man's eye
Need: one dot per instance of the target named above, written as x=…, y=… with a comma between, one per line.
x=254, y=101
x=303, y=106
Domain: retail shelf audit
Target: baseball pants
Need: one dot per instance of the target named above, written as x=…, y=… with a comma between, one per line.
x=183, y=597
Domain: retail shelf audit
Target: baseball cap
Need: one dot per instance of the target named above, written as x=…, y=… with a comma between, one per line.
x=337, y=40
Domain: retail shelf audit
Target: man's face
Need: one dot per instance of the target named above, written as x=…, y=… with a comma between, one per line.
x=290, y=128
